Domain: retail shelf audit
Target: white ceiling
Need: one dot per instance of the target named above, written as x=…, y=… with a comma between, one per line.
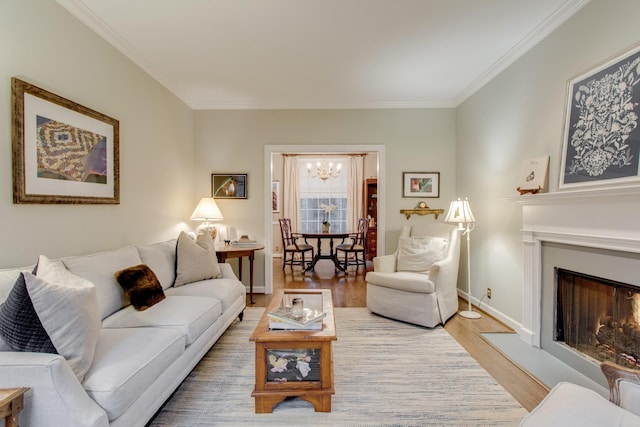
x=240, y=54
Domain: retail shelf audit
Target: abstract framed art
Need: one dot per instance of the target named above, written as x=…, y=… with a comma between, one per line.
x=229, y=185
x=601, y=139
x=421, y=184
x=63, y=152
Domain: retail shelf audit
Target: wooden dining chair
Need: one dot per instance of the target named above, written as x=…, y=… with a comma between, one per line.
x=356, y=248
x=291, y=248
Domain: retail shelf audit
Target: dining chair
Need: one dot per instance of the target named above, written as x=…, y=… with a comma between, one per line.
x=291, y=248
x=356, y=248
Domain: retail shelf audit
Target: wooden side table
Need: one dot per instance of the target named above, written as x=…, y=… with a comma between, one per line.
x=11, y=402
x=238, y=251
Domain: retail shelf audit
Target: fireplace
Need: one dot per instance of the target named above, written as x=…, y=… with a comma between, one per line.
x=598, y=317
x=594, y=232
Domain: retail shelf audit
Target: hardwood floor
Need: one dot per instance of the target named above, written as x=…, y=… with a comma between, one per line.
x=349, y=290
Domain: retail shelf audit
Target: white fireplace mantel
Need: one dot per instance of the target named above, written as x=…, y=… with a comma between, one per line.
x=604, y=218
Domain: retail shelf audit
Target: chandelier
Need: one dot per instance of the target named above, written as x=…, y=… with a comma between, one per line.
x=324, y=171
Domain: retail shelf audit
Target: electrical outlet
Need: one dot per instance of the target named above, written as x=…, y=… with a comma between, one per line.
x=489, y=293
x=277, y=248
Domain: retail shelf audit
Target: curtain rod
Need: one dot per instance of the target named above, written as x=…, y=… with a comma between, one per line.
x=323, y=155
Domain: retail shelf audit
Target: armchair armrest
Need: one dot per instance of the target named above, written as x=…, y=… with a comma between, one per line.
x=616, y=377
x=384, y=264
x=56, y=397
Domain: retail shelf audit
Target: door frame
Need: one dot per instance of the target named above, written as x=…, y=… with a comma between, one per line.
x=269, y=150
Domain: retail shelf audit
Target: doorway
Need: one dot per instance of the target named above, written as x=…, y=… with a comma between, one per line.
x=271, y=150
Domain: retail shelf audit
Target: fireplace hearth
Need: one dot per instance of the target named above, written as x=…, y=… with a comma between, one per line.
x=598, y=317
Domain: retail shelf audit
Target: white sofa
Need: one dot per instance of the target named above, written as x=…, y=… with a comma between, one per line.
x=140, y=358
x=571, y=405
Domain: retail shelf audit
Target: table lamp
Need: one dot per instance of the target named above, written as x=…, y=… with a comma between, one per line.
x=207, y=211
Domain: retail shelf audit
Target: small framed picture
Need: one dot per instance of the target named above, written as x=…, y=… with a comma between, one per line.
x=421, y=184
x=229, y=185
x=275, y=196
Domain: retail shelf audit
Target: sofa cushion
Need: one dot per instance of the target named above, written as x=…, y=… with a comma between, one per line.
x=568, y=404
x=161, y=258
x=67, y=305
x=190, y=316
x=123, y=369
x=20, y=326
x=227, y=291
x=141, y=286
x=99, y=268
x=195, y=260
x=402, y=280
x=419, y=253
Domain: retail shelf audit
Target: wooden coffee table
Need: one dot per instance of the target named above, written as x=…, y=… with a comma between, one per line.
x=295, y=363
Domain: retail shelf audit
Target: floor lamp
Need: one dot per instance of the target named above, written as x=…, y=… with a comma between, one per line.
x=460, y=213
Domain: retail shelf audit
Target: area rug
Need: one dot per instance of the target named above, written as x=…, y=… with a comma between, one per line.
x=387, y=373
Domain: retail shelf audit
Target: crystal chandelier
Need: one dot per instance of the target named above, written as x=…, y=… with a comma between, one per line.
x=324, y=171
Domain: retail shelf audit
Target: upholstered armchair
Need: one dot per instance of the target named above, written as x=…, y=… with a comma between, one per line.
x=418, y=282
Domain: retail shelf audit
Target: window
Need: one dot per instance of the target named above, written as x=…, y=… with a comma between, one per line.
x=315, y=192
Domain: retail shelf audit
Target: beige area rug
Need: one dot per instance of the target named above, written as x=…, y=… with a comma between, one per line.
x=387, y=373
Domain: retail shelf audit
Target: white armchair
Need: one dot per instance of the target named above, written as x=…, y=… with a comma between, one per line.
x=418, y=282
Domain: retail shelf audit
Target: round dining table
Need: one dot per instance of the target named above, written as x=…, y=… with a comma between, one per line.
x=320, y=255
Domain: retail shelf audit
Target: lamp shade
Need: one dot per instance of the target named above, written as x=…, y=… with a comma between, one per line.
x=460, y=212
x=207, y=210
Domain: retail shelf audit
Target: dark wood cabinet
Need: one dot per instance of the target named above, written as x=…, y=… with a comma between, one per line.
x=371, y=211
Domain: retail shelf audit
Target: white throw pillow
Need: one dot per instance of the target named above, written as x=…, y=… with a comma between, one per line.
x=417, y=254
x=67, y=306
x=195, y=260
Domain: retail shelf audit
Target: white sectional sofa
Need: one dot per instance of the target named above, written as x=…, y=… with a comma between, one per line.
x=140, y=358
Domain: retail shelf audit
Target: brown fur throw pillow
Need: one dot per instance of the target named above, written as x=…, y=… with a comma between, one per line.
x=141, y=285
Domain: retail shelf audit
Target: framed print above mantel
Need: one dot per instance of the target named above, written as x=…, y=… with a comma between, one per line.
x=421, y=184
x=229, y=185
x=63, y=152
x=601, y=140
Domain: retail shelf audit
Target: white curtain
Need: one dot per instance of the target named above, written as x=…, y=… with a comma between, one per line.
x=291, y=192
x=355, y=191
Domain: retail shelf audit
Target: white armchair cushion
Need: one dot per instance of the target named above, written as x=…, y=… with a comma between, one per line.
x=417, y=254
x=403, y=281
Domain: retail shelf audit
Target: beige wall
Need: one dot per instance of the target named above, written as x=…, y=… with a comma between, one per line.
x=420, y=140
x=44, y=45
x=520, y=115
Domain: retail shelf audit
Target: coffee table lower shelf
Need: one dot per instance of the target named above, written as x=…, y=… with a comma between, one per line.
x=267, y=400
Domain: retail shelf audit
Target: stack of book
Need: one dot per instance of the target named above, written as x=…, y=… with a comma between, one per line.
x=244, y=240
x=283, y=318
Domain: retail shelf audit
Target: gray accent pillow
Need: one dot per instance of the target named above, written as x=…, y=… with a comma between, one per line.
x=20, y=326
x=195, y=260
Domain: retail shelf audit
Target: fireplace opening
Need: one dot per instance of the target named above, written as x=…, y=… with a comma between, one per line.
x=597, y=317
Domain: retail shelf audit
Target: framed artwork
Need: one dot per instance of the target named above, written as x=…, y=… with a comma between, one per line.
x=63, y=152
x=275, y=196
x=421, y=184
x=229, y=185
x=601, y=140
x=533, y=178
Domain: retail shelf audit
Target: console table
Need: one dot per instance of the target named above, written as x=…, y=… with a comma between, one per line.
x=11, y=402
x=240, y=251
